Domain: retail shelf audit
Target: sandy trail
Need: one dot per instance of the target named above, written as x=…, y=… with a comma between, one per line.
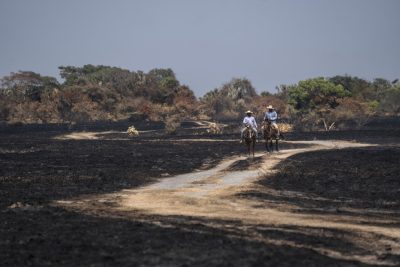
x=88, y=135
x=214, y=183
x=212, y=194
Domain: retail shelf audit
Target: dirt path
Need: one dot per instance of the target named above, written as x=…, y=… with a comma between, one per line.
x=213, y=194
x=95, y=135
x=211, y=187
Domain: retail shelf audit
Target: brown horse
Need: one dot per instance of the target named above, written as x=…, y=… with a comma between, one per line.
x=249, y=139
x=270, y=134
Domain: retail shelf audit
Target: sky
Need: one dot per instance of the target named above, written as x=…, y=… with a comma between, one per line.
x=205, y=42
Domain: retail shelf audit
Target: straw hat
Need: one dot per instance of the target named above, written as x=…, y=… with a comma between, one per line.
x=270, y=107
x=249, y=112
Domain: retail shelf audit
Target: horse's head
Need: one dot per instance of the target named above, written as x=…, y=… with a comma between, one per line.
x=249, y=132
x=269, y=131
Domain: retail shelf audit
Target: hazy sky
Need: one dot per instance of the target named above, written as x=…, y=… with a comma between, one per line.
x=206, y=42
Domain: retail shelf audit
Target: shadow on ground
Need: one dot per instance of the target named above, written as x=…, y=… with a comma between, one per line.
x=35, y=168
x=246, y=164
x=353, y=181
x=36, y=171
x=53, y=237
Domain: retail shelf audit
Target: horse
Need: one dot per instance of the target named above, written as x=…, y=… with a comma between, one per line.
x=249, y=139
x=270, y=134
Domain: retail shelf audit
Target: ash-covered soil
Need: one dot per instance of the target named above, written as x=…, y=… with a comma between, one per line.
x=366, y=178
x=36, y=169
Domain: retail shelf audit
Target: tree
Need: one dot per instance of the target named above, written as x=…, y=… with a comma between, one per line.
x=362, y=89
x=354, y=110
x=161, y=74
x=314, y=93
x=352, y=84
x=265, y=93
x=283, y=92
x=209, y=103
x=28, y=85
x=238, y=89
x=381, y=86
x=390, y=102
x=185, y=101
x=316, y=96
x=229, y=101
x=260, y=103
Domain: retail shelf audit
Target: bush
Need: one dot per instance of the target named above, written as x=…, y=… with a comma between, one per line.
x=285, y=127
x=214, y=128
x=390, y=104
x=172, y=123
x=132, y=131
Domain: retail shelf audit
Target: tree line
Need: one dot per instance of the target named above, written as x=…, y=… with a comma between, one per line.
x=103, y=93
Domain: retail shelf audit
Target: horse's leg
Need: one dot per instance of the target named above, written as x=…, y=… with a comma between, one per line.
x=266, y=143
x=277, y=144
x=254, y=144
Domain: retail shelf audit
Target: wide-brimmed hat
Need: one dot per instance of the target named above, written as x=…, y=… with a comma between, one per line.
x=249, y=112
x=270, y=107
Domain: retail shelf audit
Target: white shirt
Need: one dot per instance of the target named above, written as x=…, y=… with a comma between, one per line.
x=271, y=116
x=251, y=121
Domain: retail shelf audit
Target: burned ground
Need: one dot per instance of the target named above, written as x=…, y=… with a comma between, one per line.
x=366, y=178
x=37, y=169
x=56, y=237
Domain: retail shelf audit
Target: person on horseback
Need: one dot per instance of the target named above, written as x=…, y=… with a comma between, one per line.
x=271, y=116
x=251, y=121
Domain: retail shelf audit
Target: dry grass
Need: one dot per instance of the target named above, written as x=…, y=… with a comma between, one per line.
x=285, y=127
x=172, y=124
x=132, y=131
x=214, y=128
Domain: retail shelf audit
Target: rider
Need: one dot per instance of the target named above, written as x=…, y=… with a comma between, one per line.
x=249, y=120
x=271, y=116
